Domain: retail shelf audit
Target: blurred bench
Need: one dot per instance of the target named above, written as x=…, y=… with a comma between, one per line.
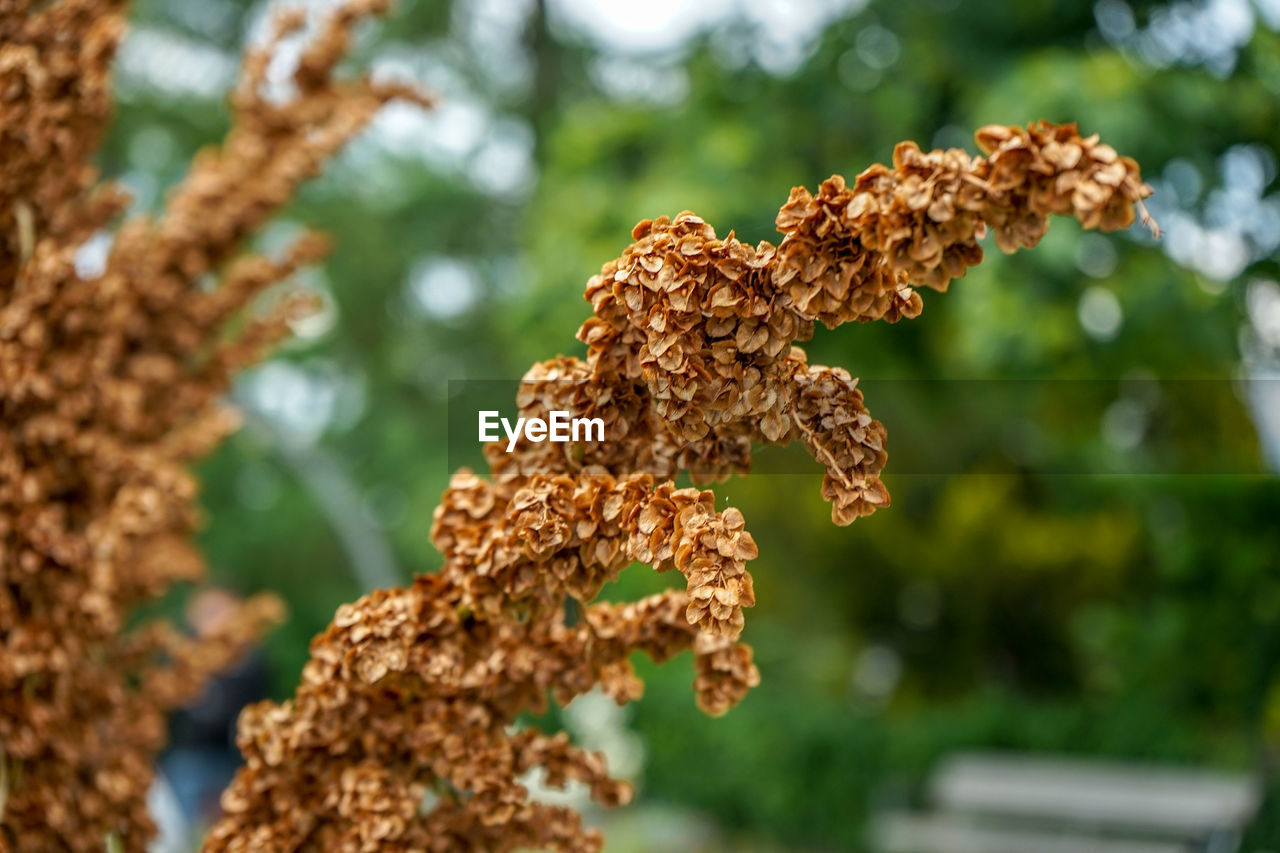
x=986, y=803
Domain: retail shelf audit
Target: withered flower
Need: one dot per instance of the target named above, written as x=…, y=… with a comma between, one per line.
x=109, y=387
x=402, y=735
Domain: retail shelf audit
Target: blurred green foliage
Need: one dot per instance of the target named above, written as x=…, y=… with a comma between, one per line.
x=1019, y=608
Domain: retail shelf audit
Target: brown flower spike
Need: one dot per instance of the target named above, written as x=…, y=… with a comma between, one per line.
x=403, y=735
x=109, y=386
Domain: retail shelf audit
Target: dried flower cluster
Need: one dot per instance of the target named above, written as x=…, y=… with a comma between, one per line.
x=403, y=734
x=109, y=386
x=690, y=347
x=415, y=690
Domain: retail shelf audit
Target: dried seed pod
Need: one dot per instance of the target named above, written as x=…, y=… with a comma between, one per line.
x=110, y=385
x=690, y=360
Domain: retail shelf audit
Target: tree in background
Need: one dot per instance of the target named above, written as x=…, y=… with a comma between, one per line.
x=1132, y=617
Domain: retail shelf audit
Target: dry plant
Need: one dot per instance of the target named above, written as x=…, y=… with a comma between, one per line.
x=109, y=386
x=404, y=734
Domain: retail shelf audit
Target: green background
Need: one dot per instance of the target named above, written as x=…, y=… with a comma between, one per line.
x=1017, y=608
